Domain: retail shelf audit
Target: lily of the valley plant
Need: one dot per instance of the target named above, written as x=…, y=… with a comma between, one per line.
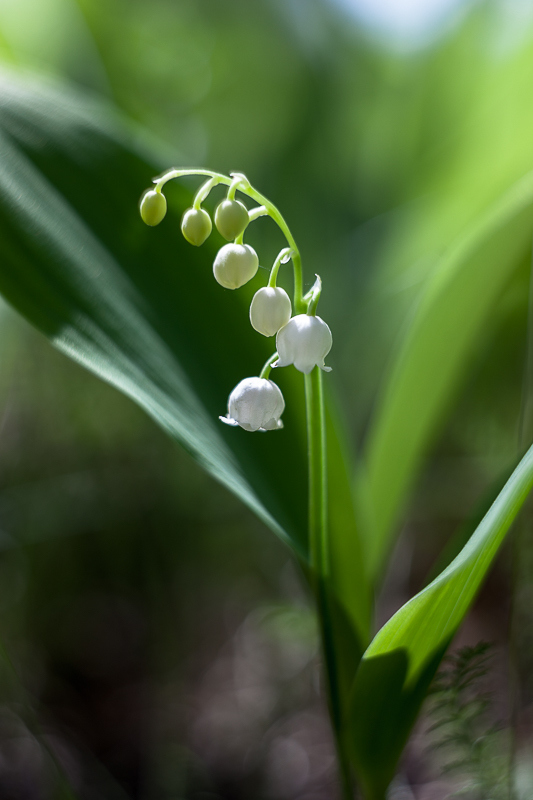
x=83, y=282
x=303, y=340
x=375, y=686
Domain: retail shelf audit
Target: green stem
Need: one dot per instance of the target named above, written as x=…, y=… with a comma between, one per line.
x=318, y=541
x=283, y=256
x=234, y=185
x=316, y=437
x=202, y=193
x=243, y=186
x=267, y=366
x=258, y=211
x=319, y=556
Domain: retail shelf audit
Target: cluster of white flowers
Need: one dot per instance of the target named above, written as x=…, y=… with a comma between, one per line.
x=256, y=404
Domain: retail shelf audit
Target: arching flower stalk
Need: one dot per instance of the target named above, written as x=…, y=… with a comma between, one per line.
x=303, y=340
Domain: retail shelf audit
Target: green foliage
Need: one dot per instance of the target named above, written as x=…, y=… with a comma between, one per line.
x=101, y=288
x=90, y=277
x=463, y=733
x=448, y=322
x=399, y=664
x=80, y=268
x=415, y=287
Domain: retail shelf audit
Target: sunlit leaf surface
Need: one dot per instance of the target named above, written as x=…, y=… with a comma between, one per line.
x=137, y=306
x=140, y=308
x=447, y=324
x=399, y=664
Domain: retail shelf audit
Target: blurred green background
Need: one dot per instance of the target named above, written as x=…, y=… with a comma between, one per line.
x=158, y=641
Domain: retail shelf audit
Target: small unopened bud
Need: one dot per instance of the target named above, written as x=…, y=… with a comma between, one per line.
x=196, y=226
x=235, y=265
x=270, y=310
x=153, y=207
x=304, y=341
x=231, y=218
x=256, y=404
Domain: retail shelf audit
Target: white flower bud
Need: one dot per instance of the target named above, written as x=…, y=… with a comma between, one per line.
x=235, y=265
x=270, y=310
x=256, y=404
x=304, y=341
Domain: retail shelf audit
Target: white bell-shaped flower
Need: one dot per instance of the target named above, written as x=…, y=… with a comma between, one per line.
x=235, y=265
x=270, y=310
x=256, y=404
x=304, y=341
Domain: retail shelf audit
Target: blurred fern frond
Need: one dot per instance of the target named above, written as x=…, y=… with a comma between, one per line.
x=469, y=742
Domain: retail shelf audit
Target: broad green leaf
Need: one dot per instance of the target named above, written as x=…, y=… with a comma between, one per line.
x=447, y=324
x=137, y=306
x=397, y=668
x=352, y=609
x=140, y=308
x=346, y=598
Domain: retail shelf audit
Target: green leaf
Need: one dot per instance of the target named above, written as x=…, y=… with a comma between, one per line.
x=350, y=597
x=345, y=596
x=447, y=324
x=138, y=306
x=397, y=668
